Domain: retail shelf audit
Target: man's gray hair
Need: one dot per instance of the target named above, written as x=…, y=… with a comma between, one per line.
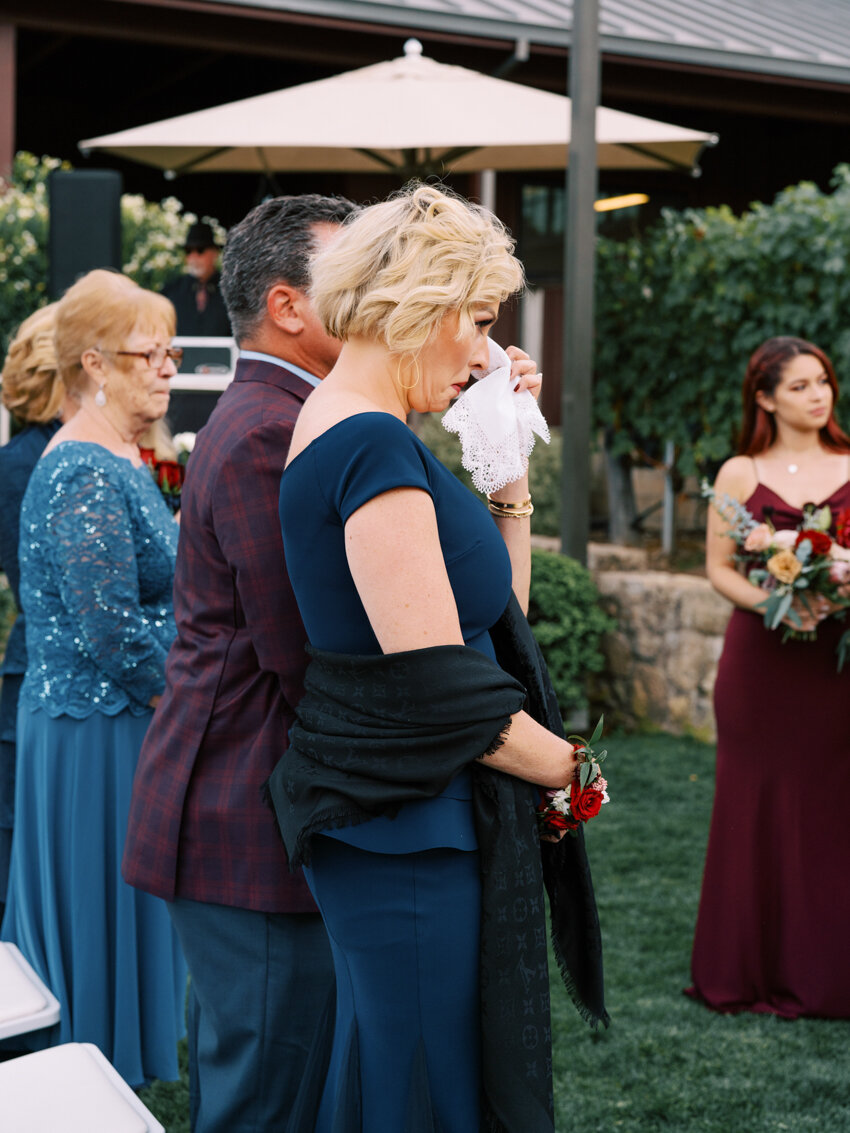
x=273, y=244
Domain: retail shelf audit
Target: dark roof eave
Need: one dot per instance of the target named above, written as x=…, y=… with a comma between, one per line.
x=417, y=19
x=727, y=60
x=444, y=24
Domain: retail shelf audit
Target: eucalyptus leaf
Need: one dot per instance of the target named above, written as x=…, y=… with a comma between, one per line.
x=597, y=731
x=783, y=607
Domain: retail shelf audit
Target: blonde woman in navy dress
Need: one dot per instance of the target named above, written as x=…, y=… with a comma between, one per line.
x=388, y=553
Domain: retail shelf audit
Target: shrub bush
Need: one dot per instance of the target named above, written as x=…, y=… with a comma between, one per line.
x=568, y=622
x=152, y=239
x=681, y=308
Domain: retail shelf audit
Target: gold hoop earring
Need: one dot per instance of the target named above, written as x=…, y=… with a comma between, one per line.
x=418, y=374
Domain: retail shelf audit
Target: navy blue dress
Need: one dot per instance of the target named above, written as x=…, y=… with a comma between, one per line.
x=400, y=897
x=97, y=553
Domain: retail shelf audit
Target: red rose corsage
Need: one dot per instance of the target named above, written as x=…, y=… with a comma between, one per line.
x=567, y=808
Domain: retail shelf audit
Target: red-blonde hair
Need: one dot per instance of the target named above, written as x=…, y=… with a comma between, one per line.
x=101, y=310
x=764, y=373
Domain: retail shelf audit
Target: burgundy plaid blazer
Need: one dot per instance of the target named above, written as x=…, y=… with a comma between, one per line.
x=198, y=827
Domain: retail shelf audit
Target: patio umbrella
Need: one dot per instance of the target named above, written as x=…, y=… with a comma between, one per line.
x=409, y=115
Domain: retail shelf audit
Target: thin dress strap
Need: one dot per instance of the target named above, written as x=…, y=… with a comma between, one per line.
x=756, y=470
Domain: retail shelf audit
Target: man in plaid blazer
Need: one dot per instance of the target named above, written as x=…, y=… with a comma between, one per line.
x=199, y=833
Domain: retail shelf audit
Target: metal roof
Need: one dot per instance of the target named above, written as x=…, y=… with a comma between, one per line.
x=806, y=39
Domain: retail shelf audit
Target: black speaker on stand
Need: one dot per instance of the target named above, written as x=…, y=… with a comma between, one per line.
x=85, y=225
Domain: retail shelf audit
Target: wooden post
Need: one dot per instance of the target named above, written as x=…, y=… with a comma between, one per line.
x=579, y=281
x=7, y=98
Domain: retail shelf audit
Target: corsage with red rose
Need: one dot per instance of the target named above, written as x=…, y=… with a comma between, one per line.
x=566, y=809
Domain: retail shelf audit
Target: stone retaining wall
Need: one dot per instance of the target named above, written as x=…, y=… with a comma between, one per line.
x=661, y=661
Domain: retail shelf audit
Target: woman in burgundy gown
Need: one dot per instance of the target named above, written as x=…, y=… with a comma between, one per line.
x=773, y=928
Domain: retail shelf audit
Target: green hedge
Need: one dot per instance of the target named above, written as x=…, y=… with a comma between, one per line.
x=568, y=622
x=681, y=308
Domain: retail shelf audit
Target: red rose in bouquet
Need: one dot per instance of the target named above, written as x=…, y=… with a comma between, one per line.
x=820, y=541
x=169, y=475
x=842, y=527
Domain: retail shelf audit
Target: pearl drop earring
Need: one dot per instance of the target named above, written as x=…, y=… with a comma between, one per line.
x=100, y=398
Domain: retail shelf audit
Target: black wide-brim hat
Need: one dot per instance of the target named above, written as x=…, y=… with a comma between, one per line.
x=200, y=235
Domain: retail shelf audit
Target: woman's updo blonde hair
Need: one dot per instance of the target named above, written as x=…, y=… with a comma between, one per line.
x=32, y=390
x=102, y=309
x=398, y=267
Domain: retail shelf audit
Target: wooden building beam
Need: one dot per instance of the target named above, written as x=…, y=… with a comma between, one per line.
x=7, y=98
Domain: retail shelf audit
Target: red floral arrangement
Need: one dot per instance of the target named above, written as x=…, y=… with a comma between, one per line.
x=168, y=476
x=566, y=809
x=820, y=541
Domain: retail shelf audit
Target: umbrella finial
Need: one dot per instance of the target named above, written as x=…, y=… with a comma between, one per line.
x=412, y=47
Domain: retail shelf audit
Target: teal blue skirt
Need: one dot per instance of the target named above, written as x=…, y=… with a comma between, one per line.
x=107, y=951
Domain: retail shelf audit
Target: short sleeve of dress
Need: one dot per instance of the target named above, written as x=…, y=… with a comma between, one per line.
x=376, y=453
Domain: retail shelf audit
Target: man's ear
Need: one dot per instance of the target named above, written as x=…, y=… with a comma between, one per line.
x=283, y=304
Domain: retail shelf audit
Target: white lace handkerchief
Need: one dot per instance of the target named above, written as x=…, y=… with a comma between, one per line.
x=496, y=426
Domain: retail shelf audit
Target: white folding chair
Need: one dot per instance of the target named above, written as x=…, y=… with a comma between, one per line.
x=26, y=1003
x=69, y=1089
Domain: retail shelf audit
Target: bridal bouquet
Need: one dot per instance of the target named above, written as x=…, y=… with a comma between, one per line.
x=169, y=474
x=565, y=809
x=799, y=563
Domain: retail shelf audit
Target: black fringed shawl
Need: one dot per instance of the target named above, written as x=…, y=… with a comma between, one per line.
x=375, y=732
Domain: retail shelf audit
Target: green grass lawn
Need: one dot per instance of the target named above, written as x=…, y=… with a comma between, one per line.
x=665, y=1063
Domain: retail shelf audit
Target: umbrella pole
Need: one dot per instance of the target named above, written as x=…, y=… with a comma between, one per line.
x=580, y=230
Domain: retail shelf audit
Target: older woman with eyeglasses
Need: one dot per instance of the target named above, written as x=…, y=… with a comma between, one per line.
x=97, y=554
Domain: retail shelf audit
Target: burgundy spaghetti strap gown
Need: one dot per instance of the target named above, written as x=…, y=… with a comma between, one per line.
x=773, y=929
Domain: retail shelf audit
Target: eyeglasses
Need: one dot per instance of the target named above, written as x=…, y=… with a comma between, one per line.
x=196, y=248
x=155, y=358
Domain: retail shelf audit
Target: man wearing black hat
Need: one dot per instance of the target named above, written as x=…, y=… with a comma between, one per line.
x=196, y=295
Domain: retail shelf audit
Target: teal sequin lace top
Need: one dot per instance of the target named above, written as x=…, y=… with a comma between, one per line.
x=97, y=553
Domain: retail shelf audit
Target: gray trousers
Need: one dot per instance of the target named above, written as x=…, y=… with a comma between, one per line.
x=259, y=983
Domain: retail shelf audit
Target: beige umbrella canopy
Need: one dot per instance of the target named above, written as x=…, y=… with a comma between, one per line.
x=410, y=115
